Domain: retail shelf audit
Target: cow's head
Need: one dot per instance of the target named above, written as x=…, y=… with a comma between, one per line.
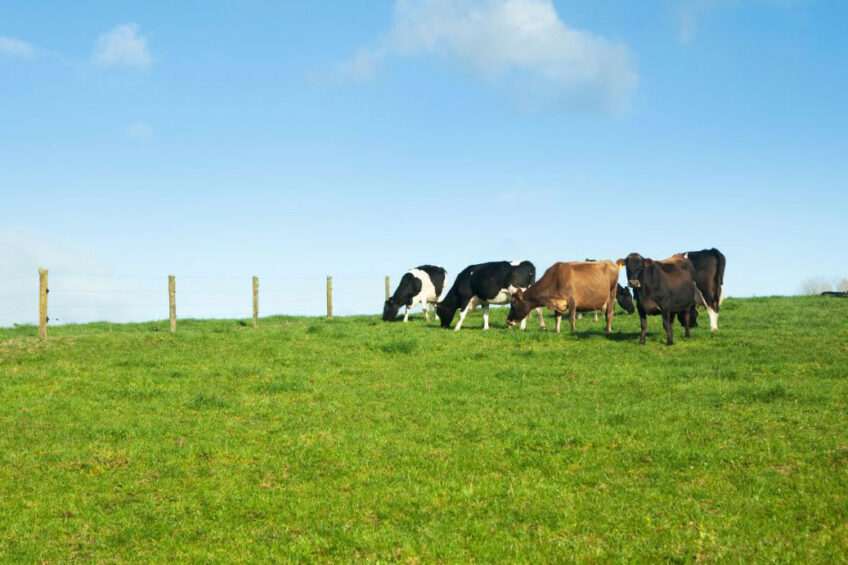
x=519, y=308
x=625, y=299
x=635, y=265
x=390, y=310
x=445, y=310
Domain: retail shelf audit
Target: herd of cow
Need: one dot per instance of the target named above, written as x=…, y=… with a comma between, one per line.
x=670, y=288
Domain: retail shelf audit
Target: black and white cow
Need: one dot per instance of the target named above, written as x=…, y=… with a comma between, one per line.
x=709, y=278
x=421, y=285
x=484, y=284
x=661, y=288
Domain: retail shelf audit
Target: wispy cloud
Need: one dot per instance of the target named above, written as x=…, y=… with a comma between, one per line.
x=122, y=46
x=522, y=45
x=12, y=47
x=690, y=13
x=140, y=131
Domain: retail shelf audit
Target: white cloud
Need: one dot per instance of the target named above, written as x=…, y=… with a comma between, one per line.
x=520, y=44
x=16, y=48
x=122, y=46
x=139, y=130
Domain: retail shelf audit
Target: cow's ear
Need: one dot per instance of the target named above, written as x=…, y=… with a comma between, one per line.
x=519, y=293
x=620, y=262
x=649, y=262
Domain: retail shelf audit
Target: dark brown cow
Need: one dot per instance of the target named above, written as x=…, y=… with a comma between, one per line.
x=577, y=287
x=661, y=288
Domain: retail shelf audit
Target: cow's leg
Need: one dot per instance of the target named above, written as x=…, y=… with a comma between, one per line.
x=541, y=319
x=572, y=312
x=426, y=312
x=486, y=316
x=596, y=316
x=721, y=295
x=643, y=320
x=668, y=324
x=713, y=318
x=580, y=315
x=686, y=320
x=435, y=312
x=463, y=312
x=558, y=319
x=609, y=313
x=406, y=314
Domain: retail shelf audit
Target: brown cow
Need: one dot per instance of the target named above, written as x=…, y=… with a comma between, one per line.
x=577, y=287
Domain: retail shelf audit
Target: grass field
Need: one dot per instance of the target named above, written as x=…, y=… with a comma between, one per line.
x=353, y=439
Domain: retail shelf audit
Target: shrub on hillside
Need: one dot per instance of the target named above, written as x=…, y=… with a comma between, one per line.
x=815, y=285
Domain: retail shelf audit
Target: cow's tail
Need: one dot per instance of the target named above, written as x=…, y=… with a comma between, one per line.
x=719, y=278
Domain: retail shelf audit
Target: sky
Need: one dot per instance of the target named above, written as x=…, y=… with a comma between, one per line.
x=294, y=140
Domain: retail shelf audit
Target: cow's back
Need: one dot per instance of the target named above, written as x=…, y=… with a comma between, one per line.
x=521, y=275
x=591, y=285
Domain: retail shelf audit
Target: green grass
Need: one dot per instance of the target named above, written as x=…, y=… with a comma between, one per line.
x=352, y=439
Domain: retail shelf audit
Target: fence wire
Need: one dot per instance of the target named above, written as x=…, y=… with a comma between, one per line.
x=80, y=298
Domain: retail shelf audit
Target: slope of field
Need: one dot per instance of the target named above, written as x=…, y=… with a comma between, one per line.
x=353, y=439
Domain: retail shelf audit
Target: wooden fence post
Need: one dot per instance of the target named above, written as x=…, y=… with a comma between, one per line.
x=172, y=302
x=255, y=302
x=387, y=287
x=330, y=297
x=42, y=303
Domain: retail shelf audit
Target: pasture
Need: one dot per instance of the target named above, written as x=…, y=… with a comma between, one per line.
x=357, y=440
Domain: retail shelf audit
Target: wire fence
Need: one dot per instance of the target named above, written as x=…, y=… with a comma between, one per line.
x=82, y=298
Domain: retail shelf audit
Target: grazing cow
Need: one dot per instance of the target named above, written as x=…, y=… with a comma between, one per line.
x=661, y=287
x=622, y=296
x=709, y=279
x=421, y=285
x=624, y=299
x=485, y=283
x=580, y=286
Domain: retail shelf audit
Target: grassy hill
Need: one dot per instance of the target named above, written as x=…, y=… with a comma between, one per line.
x=352, y=439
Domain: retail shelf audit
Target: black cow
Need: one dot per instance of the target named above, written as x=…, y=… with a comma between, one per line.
x=661, y=287
x=709, y=278
x=421, y=285
x=486, y=283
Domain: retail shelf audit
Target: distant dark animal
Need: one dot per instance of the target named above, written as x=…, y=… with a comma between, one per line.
x=709, y=279
x=580, y=286
x=484, y=284
x=661, y=288
x=836, y=294
x=421, y=285
x=623, y=297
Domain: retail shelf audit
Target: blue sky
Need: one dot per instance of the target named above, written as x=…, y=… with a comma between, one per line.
x=293, y=140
